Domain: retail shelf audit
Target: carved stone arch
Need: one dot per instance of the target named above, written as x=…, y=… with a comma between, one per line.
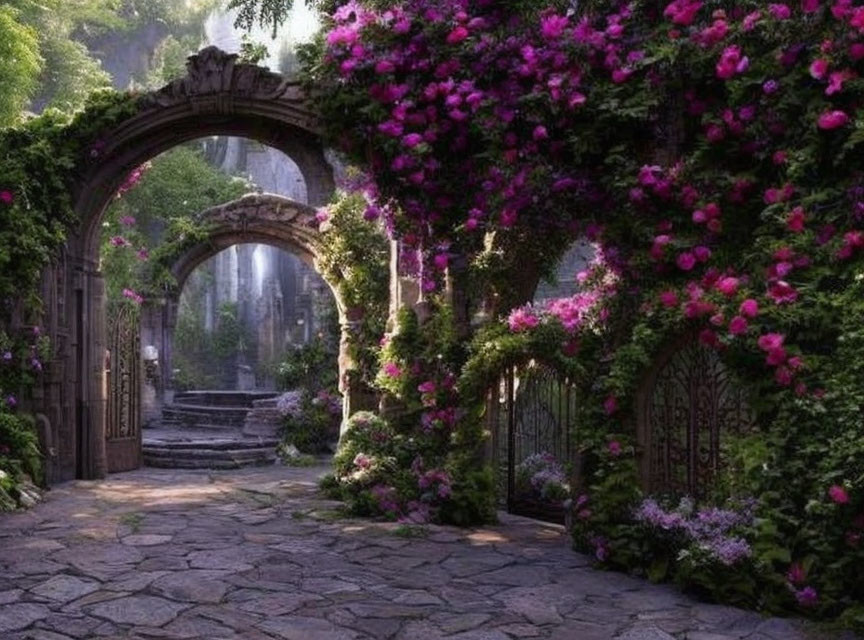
x=217, y=96
x=687, y=403
x=260, y=219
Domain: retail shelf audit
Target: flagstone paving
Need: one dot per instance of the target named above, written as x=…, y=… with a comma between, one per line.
x=257, y=554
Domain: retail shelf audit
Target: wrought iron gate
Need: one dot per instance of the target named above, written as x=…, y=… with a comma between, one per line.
x=533, y=413
x=123, y=373
x=689, y=404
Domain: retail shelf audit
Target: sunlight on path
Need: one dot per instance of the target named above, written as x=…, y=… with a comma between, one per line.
x=256, y=554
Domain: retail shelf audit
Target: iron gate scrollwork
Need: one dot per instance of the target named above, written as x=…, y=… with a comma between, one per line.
x=690, y=403
x=534, y=415
x=123, y=372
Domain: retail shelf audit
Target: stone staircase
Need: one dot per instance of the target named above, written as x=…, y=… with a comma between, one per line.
x=185, y=449
x=214, y=430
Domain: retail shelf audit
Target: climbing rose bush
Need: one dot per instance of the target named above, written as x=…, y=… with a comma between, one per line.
x=711, y=150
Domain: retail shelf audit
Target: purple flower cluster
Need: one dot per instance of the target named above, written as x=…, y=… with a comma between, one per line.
x=709, y=528
x=545, y=476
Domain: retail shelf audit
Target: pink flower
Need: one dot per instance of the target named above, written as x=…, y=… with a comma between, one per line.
x=795, y=220
x=427, y=387
x=127, y=221
x=120, y=241
x=833, y=119
x=810, y=6
x=143, y=254
x=669, y=299
x=686, y=261
x=738, y=326
x=392, y=370
x=540, y=133
x=702, y=254
x=458, y=34
x=783, y=376
x=819, y=68
x=838, y=494
x=440, y=261
x=771, y=341
x=6, y=197
x=780, y=11
x=133, y=296
x=796, y=574
x=781, y=292
x=732, y=62
x=552, y=27
x=807, y=597
x=682, y=12
x=412, y=140
x=522, y=319
x=728, y=286
x=615, y=448
x=610, y=405
x=836, y=80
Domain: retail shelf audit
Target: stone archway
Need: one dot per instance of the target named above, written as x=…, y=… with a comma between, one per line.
x=218, y=96
x=260, y=219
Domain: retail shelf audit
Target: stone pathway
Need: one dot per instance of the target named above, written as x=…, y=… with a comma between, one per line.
x=255, y=554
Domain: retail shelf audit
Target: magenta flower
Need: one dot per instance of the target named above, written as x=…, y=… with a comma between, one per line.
x=795, y=220
x=686, y=261
x=833, y=119
x=810, y=6
x=807, y=597
x=458, y=34
x=133, y=296
x=412, y=140
x=781, y=292
x=749, y=308
x=11, y=401
x=738, y=326
x=522, y=319
x=732, y=62
x=771, y=341
x=427, y=387
x=610, y=405
x=615, y=448
x=728, y=286
x=682, y=12
x=780, y=11
x=797, y=574
x=6, y=197
x=392, y=370
x=819, y=68
x=838, y=494
x=552, y=27
x=669, y=299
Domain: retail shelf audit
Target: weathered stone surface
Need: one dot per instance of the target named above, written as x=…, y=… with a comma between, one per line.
x=302, y=628
x=202, y=587
x=21, y=615
x=146, y=540
x=11, y=595
x=138, y=610
x=64, y=588
x=233, y=562
x=644, y=632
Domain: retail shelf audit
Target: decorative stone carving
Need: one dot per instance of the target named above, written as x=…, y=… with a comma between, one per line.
x=263, y=208
x=212, y=71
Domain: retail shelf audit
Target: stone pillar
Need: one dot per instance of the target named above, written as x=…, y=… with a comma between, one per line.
x=92, y=342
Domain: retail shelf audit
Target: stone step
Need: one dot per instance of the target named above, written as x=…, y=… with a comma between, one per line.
x=212, y=445
x=196, y=463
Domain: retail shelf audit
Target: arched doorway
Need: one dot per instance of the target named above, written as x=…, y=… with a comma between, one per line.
x=218, y=96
